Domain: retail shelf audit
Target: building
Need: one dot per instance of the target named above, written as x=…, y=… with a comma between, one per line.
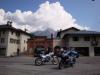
x=86, y=42
x=12, y=41
x=39, y=42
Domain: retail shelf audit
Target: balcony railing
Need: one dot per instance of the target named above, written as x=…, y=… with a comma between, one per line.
x=94, y=43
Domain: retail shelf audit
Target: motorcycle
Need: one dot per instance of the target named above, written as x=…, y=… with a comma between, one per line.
x=66, y=60
x=42, y=59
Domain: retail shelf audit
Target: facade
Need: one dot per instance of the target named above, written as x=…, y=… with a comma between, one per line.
x=39, y=42
x=12, y=41
x=86, y=42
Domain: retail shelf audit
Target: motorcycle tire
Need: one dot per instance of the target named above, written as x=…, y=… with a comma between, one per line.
x=38, y=61
x=55, y=61
x=61, y=65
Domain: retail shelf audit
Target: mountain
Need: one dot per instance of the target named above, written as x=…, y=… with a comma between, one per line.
x=46, y=32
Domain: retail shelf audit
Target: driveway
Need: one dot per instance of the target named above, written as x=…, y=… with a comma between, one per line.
x=25, y=66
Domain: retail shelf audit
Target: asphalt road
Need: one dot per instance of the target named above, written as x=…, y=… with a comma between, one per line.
x=25, y=66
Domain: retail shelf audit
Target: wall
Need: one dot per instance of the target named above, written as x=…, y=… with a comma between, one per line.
x=63, y=33
x=5, y=36
x=82, y=43
x=39, y=41
x=57, y=42
x=23, y=42
x=12, y=47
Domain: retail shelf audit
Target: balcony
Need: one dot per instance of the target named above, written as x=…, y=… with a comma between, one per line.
x=94, y=43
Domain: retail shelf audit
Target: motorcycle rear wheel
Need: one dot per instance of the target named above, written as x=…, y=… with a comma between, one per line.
x=55, y=60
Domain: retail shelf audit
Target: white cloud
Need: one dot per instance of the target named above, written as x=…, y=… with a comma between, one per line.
x=47, y=16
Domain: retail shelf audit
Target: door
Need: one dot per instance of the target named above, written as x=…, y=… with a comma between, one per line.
x=83, y=51
x=97, y=51
x=2, y=51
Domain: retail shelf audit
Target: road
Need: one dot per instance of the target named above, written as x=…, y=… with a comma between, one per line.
x=24, y=66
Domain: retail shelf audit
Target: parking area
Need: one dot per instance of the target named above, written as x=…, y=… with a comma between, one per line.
x=23, y=65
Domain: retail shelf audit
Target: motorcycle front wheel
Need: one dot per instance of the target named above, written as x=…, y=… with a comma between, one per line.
x=61, y=65
x=38, y=61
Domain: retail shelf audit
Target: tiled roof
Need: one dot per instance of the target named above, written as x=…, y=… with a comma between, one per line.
x=83, y=32
x=78, y=32
x=70, y=29
x=9, y=27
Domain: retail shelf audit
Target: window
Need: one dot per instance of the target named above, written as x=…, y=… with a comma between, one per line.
x=24, y=41
x=3, y=32
x=0, y=33
x=2, y=40
x=43, y=42
x=17, y=34
x=86, y=38
x=94, y=41
x=24, y=48
x=15, y=41
x=75, y=38
x=12, y=32
x=3, y=51
x=18, y=41
x=11, y=40
x=94, y=38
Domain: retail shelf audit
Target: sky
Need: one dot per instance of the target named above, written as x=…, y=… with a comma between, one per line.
x=54, y=14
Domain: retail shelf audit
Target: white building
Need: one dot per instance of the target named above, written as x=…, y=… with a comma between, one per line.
x=86, y=42
x=12, y=41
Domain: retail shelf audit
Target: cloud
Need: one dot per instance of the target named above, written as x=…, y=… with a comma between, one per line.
x=49, y=15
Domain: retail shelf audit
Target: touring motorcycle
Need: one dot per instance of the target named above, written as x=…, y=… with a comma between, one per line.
x=67, y=60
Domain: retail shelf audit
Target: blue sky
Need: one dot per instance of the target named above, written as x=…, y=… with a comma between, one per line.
x=86, y=12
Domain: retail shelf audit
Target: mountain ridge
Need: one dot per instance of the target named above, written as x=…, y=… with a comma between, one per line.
x=48, y=32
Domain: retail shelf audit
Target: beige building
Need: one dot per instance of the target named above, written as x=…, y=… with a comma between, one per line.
x=12, y=41
x=86, y=42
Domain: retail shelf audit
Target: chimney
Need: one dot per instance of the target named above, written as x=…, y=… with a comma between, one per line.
x=9, y=23
x=60, y=30
x=25, y=30
x=59, y=33
x=51, y=35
